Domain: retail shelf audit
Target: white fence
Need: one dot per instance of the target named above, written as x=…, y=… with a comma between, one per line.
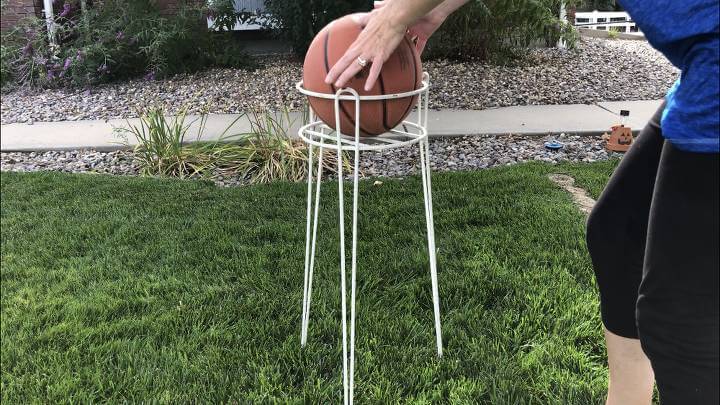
x=606, y=20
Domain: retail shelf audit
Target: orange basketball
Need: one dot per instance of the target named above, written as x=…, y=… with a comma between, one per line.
x=402, y=72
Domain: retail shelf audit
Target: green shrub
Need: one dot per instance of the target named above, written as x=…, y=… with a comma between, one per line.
x=6, y=72
x=600, y=5
x=497, y=29
x=489, y=29
x=161, y=148
x=299, y=20
x=267, y=153
x=115, y=39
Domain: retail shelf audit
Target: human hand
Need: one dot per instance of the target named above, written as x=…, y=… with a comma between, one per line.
x=378, y=39
x=423, y=29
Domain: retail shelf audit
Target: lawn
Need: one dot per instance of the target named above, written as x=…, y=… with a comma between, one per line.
x=129, y=289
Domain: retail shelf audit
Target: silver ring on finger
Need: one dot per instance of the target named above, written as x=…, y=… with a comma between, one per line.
x=361, y=61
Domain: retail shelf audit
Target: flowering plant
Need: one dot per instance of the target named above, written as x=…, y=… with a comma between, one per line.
x=102, y=40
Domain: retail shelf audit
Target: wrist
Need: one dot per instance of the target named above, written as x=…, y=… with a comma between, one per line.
x=437, y=16
x=396, y=18
x=447, y=7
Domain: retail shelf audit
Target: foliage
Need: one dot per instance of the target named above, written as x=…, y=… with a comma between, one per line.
x=123, y=289
x=299, y=20
x=225, y=16
x=600, y=5
x=613, y=33
x=497, y=29
x=267, y=153
x=114, y=39
x=484, y=29
x=161, y=148
x=6, y=72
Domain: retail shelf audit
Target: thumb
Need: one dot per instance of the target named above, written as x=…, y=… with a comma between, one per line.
x=420, y=45
x=378, y=4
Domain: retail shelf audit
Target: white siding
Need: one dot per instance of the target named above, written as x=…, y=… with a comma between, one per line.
x=619, y=20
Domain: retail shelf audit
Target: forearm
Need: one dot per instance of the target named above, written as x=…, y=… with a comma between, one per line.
x=447, y=7
x=402, y=13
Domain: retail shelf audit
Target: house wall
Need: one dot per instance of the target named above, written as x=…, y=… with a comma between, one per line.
x=15, y=10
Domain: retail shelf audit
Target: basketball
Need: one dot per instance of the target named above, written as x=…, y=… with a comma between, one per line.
x=402, y=72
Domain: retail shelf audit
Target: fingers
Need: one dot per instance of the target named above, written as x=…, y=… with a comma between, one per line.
x=341, y=65
x=361, y=19
x=348, y=73
x=378, y=4
x=419, y=40
x=375, y=69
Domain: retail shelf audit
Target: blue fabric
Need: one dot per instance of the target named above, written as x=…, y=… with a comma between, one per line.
x=687, y=32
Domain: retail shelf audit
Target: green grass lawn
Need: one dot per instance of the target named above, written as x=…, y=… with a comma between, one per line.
x=146, y=289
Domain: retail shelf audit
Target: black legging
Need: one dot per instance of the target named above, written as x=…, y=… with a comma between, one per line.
x=653, y=240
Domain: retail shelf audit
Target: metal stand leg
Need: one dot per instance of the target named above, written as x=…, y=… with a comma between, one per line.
x=353, y=270
x=307, y=247
x=348, y=355
x=422, y=107
x=310, y=246
x=427, y=191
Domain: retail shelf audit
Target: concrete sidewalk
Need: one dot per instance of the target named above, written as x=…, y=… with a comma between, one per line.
x=528, y=120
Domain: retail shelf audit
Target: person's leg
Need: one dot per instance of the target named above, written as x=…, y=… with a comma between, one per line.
x=631, y=376
x=677, y=309
x=616, y=233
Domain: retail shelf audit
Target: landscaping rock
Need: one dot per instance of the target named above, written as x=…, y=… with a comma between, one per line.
x=446, y=154
x=599, y=70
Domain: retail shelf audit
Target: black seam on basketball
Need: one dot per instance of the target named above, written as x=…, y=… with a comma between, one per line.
x=414, y=69
x=332, y=86
x=386, y=127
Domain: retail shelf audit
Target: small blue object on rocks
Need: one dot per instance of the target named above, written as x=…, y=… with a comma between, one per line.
x=554, y=145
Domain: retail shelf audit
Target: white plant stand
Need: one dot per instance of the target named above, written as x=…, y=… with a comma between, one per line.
x=317, y=134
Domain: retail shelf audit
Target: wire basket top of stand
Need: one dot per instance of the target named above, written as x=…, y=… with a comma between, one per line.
x=424, y=85
x=408, y=132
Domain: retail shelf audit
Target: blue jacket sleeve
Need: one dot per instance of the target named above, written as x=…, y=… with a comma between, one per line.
x=687, y=33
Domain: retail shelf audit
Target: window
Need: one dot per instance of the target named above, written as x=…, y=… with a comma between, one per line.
x=602, y=20
x=601, y=27
x=617, y=19
x=582, y=20
x=634, y=28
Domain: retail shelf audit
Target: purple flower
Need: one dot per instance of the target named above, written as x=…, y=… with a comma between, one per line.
x=120, y=36
x=103, y=69
x=27, y=49
x=79, y=56
x=150, y=76
x=68, y=63
x=50, y=75
x=67, y=8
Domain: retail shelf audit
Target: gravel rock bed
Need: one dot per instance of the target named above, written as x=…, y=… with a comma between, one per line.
x=446, y=154
x=74, y=161
x=599, y=70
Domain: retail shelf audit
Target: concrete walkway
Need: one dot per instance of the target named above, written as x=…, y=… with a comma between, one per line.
x=528, y=120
